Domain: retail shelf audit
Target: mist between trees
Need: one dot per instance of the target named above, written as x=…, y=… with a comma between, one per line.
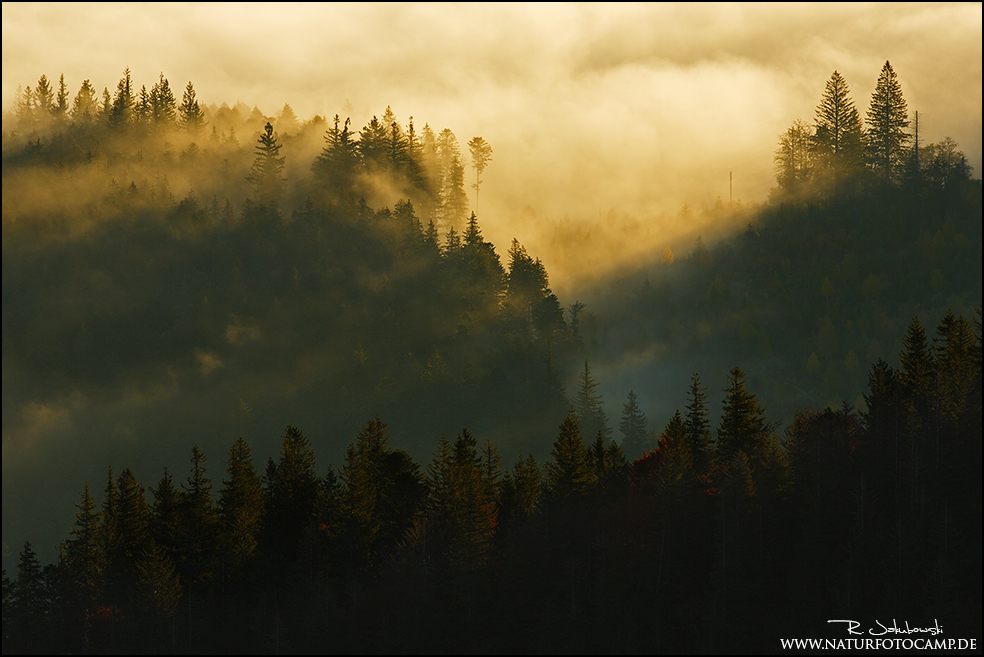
x=712, y=544
x=176, y=275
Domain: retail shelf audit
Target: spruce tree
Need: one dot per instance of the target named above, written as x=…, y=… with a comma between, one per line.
x=29, y=605
x=44, y=100
x=454, y=201
x=163, y=105
x=697, y=425
x=466, y=519
x=291, y=492
x=569, y=474
x=373, y=146
x=384, y=493
x=396, y=149
x=198, y=522
x=60, y=109
x=416, y=172
x=481, y=155
x=166, y=515
x=589, y=405
x=633, y=428
x=266, y=175
x=159, y=589
x=128, y=520
x=743, y=424
x=917, y=367
x=82, y=553
x=121, y=114
x=526, y=283
x=287, y=122
x=192, y=115
x=240, y=504
x=529, y=485
x=337, y=165
x=888, y=120
x=838, y=141
x=26, y=111
x=85, y=107
x=793, y=158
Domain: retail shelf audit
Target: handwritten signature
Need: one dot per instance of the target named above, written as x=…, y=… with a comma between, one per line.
x=894, y=628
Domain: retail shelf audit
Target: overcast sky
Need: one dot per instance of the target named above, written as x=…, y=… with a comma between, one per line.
x=637, y=107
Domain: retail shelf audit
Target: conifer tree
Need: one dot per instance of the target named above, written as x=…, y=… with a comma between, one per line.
x=431, y=237
x=121, y=114
x=163, y=104
x=633, y=427
x=26, y=113
x=60, y=109
x=887, y=137
x=106, y=108
x=127, y=519
x=384, y=493
x=143, y=111
x=589, y=405
x=952, y=354
x=526, y=282
x=452, y=244
x=291, y=492
x=743, y=424
x=454, y=201
x=416, y=172
x=240, y=504
x=84, y=106
x=192, y=115
x=166, y=516
x=198, y=522
x=481, y=155
x=287, y=122
x=29, y=603
x=266, y=174
x=838, y=141
x=159, y=589
x=520, y=491
x=793, y=158
x=337, y=165
x=569, y=475
x=473, y=234
x=916, y=374
x=82, y=552
x=697, y=425
x=431, y=161
x=529, y=485
x=44, y=100
x=491, y=470
x=607, y=463
x=373, y=146
x=396, y=149
x=464, y=511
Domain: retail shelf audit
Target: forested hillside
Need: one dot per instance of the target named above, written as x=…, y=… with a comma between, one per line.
x=820, y=283
x=449, y=478
x=161, y=278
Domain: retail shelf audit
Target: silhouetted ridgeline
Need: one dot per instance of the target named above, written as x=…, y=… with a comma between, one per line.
x=713, y=541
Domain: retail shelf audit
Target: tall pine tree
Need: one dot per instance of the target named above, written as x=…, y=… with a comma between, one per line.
x=888, y=120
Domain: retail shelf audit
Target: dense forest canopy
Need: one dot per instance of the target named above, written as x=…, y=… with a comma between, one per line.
x=181, y=274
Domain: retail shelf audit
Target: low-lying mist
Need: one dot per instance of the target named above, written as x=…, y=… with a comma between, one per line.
x=143, y=320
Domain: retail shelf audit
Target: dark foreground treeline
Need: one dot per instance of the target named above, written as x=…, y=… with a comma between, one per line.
x=721, y=540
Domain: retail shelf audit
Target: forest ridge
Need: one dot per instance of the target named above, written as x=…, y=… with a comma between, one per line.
x=683, y=538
